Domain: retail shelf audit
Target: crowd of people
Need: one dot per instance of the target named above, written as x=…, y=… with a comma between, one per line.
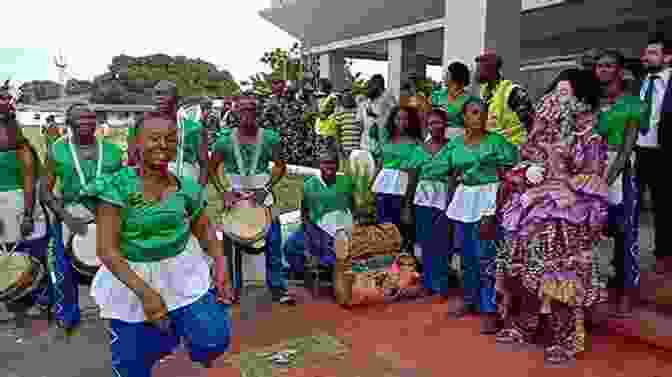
x=523, y=191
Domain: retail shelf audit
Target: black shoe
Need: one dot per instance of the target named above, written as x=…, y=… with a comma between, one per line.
x=283, y=297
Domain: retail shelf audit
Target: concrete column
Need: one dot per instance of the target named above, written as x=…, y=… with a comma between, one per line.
x=404, y=61
x=394, y=65
x=475, y=25
x=332, y=67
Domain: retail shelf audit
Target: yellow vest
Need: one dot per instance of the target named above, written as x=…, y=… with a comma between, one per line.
x=508, y=123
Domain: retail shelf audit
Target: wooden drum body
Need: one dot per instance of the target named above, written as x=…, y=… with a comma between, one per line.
x=20, y=274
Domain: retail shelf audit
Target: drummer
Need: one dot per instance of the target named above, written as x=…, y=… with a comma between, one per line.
x=76, y=161
x=327, y=206
x=194, y=146
x=154, y=285
x=19, y=165
x=254, y=148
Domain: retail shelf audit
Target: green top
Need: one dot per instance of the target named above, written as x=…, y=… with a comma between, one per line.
x=224, y=145
x=401, y=156
x=479, y=163
x=150, y=230
x=12, y=172
x=454, y=108
x=435, y=167
x=611, y=123
x=193, y=137
x=65, y=171
x=320, y=199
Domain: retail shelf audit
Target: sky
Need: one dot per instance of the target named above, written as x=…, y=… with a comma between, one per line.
x=90, y=33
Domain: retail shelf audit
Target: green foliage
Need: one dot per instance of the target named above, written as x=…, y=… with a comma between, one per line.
x=365, y=198
x=192, y=79
x=425, y=87
x=284, y=64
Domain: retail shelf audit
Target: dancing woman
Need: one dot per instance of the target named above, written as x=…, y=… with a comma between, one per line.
x=154, y=285
x=554, y=213
x=434, y=191
x=76, y=161
x=477, y=158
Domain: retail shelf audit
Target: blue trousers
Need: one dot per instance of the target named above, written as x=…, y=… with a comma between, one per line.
x=388, y=208
x=478, y=266
x=431, y=226
x=205, y=326
x=294, y=250
x=624, y=227
x=277, y=269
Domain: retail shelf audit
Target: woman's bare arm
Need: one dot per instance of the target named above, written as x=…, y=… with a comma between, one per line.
x=624, y=153
x=279, y=166
x=207, y=236
x=109, y=253
x=216, y=159
x=203, y=157
x=27, y=158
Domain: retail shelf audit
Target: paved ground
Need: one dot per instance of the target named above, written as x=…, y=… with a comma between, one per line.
x=399, y=340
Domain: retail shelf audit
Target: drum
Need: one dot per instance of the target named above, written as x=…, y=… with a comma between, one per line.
x=82, y=248
x=247, y=223
x=20, y=274
x=360, y=160
x=11, y=216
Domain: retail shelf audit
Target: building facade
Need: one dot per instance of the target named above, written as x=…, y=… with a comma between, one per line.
x=536, y=38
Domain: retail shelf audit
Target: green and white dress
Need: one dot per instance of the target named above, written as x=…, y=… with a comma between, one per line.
x=476, y=196
x=156, y=239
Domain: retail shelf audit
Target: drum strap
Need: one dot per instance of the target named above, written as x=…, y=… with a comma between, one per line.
x=78, y=166
x=239, y=157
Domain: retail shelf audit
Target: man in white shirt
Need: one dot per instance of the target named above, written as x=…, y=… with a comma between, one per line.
x=656, y=91
x=373, y=111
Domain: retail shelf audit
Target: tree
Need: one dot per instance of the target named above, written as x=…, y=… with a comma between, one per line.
x=192, y=78
x=354, y=81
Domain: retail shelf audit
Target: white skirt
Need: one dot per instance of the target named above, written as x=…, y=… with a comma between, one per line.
x=391, y=181
x=432, y=194
x=180, y=280
x=470, y=203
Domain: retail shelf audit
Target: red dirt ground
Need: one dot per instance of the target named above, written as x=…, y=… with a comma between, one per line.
x=416, y=339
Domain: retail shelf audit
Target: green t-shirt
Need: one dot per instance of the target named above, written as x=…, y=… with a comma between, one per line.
x=612, y=123
x=454, y=108
x=65, y=171
x=12, y=172
x=401, y=156
x=193, y=138
x=224, y=145
x=436, y=167
x=479, y=163
x=320, y=199
x=150, y=230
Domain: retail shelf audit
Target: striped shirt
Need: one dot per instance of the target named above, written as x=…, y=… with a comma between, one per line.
x=350, y=130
